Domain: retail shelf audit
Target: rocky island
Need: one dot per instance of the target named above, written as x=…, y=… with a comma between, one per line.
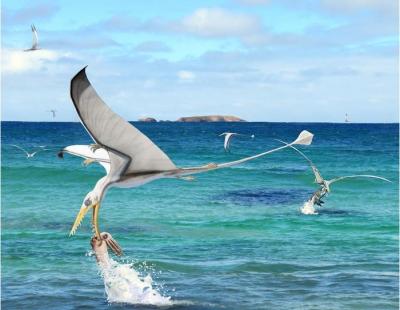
x=147, y=120
x=211, y=118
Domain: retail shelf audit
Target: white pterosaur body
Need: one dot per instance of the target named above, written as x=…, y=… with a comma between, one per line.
x=35, y=40
x=324, y=189
x=131, y=159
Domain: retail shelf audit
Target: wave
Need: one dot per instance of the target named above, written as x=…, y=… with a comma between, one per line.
x=124, y=284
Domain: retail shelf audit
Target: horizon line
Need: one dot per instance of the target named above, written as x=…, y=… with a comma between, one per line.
x=168, y=121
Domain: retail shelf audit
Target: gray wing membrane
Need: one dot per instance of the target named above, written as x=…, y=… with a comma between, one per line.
x=112, y=131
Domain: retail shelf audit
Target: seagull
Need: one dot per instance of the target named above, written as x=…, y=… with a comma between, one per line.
x=53, y=112
x=30, y=155
x=228, y=137
x=316, y=198
x=35, y=40
x=132, y=159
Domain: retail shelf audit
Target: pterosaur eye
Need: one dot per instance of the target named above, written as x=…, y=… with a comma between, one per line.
x=88, y=202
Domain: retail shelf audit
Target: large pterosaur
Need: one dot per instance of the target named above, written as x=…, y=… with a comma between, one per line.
x=131, y=159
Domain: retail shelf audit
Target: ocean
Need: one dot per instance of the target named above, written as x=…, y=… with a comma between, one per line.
x=230, y=239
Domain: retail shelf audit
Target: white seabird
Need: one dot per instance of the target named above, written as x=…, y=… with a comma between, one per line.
x=228, y=138
x=133, y=158
x=53, y=113
x=29, y=155
x=35, y=40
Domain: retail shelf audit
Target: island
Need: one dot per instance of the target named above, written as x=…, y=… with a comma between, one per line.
x=147, y=120
x=211, y=118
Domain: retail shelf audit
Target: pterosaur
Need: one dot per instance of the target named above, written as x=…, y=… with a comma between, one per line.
x=131, y=159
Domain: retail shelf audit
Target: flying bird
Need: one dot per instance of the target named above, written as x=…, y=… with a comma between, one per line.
x=228, y=138
x=35, y=40
x=53, y=112
x=132, y=158
x=29, y=155
x=324, y=189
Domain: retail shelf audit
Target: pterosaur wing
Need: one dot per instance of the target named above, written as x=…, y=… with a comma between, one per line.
x=114, y=133
x=318, y=178
x=304, y=138
x=357, y=176
x=227, y=142
x=86, y=151
x=18, y=147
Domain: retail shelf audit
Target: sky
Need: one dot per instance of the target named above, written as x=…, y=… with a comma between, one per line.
x=261, y=60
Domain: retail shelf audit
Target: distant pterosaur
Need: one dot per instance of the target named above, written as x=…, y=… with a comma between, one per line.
x=324, y=189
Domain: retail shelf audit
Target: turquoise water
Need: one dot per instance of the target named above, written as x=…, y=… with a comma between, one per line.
x=231, y=239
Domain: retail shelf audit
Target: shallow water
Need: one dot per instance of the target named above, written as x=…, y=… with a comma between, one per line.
x=231, y=239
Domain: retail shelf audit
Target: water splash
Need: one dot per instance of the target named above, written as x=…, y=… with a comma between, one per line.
x=123, y=284
x=308, y=208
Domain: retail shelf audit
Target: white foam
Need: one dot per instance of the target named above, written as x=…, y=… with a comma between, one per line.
x=123, y=284
x=308, y=208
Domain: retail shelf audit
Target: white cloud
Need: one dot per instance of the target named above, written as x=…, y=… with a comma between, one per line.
x=14, y=61
x=186, y=76
x=216, y=22
x=388, y=6
x=152, y=47
x=253, y=2
x=37, y=11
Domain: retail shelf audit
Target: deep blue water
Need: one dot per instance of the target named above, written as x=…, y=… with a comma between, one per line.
x=231, y=239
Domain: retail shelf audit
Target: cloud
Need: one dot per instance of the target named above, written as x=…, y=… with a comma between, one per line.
x=253, y=2
x=345, y=6
x=85, y=41
x=152, y=47
x=348, y=60
x=15, y=61
x=29, y=14
x=216, y=22
x=203, y=22
x=319, y=72
x=186, y=76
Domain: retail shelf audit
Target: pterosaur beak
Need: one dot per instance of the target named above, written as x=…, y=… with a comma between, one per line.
x=82, y=212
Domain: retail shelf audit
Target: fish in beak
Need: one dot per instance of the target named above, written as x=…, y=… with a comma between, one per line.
x=100, y=248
